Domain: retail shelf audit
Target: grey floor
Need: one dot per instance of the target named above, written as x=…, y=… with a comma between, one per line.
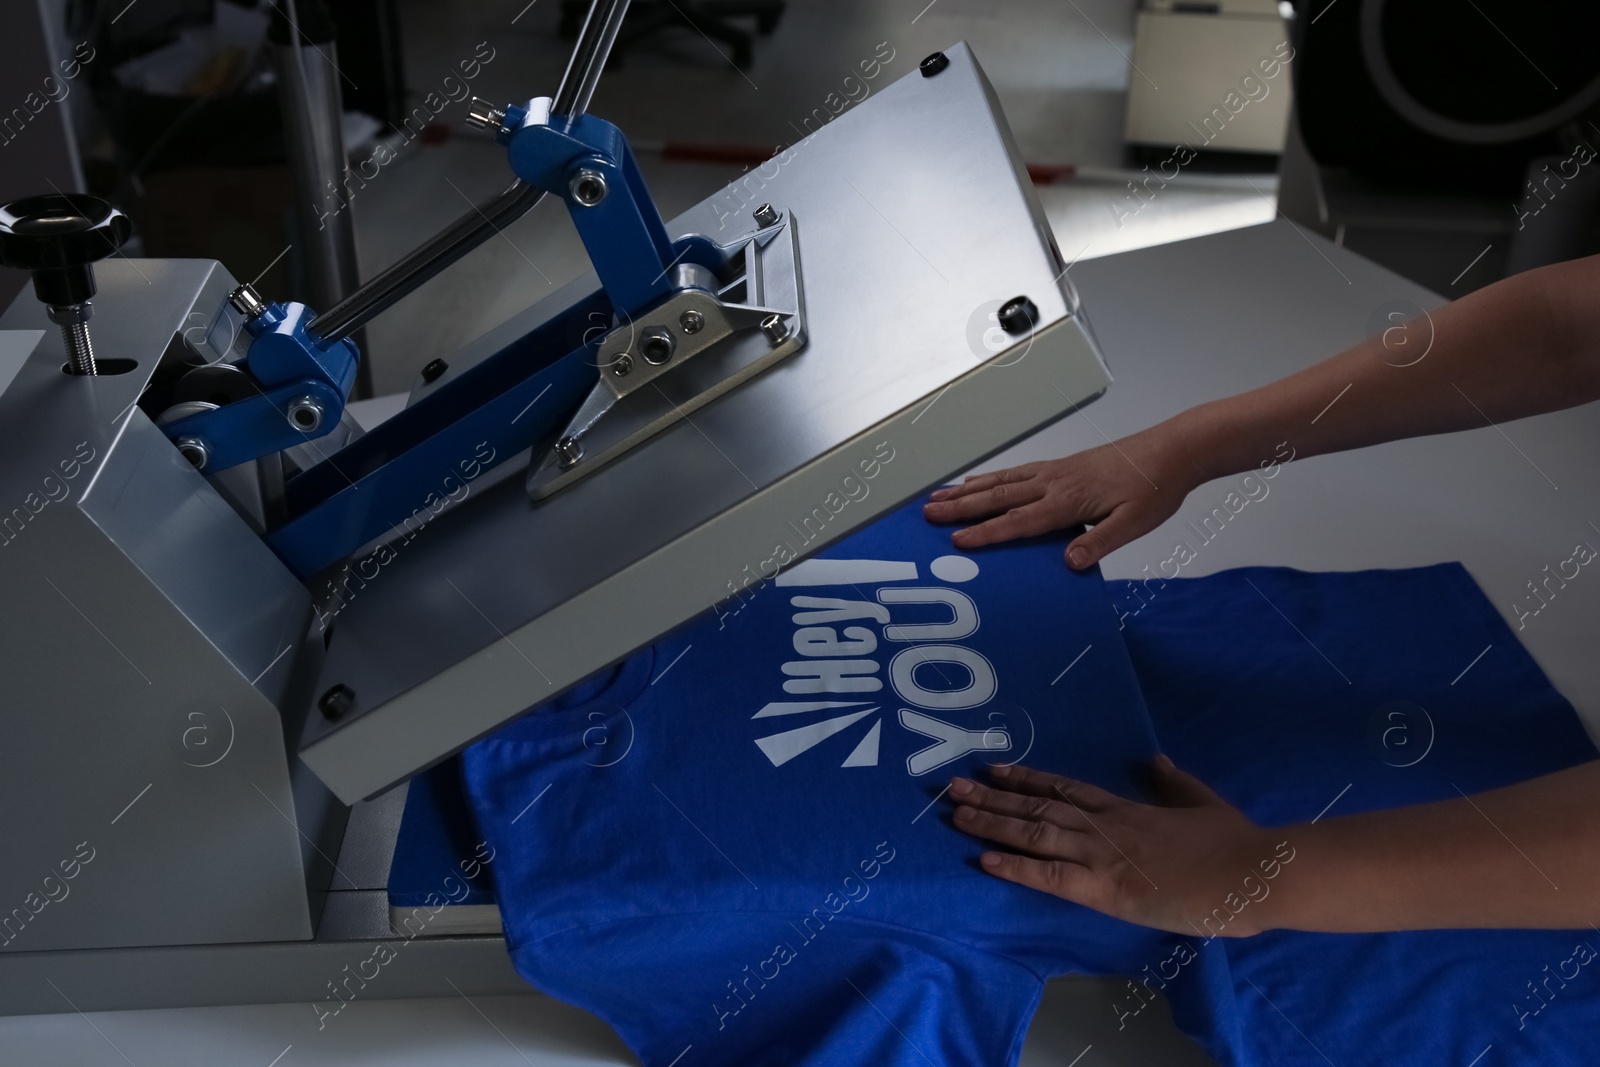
x=1058, y=68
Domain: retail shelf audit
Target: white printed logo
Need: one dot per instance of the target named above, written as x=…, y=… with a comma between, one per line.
x=838, y=637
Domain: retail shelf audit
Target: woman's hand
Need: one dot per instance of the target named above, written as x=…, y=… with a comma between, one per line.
x=1126, y=489
x=1193, y=865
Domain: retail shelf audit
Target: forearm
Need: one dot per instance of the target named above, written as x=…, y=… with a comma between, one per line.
x=1523, y=346
x=1524, y=856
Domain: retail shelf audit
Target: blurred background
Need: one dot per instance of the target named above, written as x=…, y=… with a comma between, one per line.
x=1450, y=143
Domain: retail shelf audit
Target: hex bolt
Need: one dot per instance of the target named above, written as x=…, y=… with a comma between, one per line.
x=569, y=450
x=434, y=369
x=305, y=414
x=336, y=702
x=775, y=329
x=933, y=64
x=1018, y=315
x=766, y=215
x=74, y=322
x=656, y=345
x=195, y=451
x=622, y=365
x=588, y=187
x=691, y=321
x=246, y=301
x=483, y=115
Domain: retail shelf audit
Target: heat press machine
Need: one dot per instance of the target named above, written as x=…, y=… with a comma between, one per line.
x=230, y=615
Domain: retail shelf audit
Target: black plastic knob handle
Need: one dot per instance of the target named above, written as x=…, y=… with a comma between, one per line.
x=58, y=237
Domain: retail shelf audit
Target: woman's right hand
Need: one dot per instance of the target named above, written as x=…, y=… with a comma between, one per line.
x=1125, y=489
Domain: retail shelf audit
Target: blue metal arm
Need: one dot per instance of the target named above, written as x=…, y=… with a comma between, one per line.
x=388, y=477
x=401, y=473
x=301, y=384
x=588, y=163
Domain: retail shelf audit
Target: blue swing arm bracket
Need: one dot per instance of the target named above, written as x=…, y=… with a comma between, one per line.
x=401, y=472
x=587, y=162
x=409, y=467
x=301, y=384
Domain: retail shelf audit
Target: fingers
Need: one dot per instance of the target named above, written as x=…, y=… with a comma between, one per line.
x=994, y=500
x=1017, y=805
x=1106, y=536
x=1069, y=881
x=1035, y=837
x=1040, y=784
x=978, y=482
x=1030, y=520
x=1181, y=789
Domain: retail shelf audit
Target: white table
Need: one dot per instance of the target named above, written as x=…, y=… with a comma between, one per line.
x=1188, y=322
x=1180, y=323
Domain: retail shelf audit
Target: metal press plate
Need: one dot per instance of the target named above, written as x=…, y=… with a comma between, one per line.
x=919, y=222
x=770, y=282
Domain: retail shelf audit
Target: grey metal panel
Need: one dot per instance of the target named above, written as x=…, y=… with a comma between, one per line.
x=139, y=301
x=15, y=348
x=369, y=842
x=131, y=743
x=195, y=548
x=919, y=222
x=269, y=973
x=142, y=616
x=159, y=512
x=980, y=413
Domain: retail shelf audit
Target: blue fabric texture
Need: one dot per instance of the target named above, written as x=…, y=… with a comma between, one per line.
x=1290, y=693
x=733, y=843
x=728, y=846
x=437, y=846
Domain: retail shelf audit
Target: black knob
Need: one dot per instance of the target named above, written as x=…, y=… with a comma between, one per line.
x=58, y=237
x=336, y=702
x=1018, y=315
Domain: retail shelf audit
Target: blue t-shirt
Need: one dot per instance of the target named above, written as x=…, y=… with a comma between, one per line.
x=728, y=848
x=1294, y=693
x=732, y=848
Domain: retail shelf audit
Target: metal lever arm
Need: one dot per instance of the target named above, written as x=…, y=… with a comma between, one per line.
x=302, y=365
x=425, y=261
x=587, y=162
x=481, y=223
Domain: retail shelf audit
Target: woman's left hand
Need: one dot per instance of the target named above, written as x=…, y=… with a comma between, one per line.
x=1190, y=865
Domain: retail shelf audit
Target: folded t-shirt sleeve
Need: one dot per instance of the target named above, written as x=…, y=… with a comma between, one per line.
x=751, y=989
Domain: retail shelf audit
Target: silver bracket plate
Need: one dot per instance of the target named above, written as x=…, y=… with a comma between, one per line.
x=694, y=346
